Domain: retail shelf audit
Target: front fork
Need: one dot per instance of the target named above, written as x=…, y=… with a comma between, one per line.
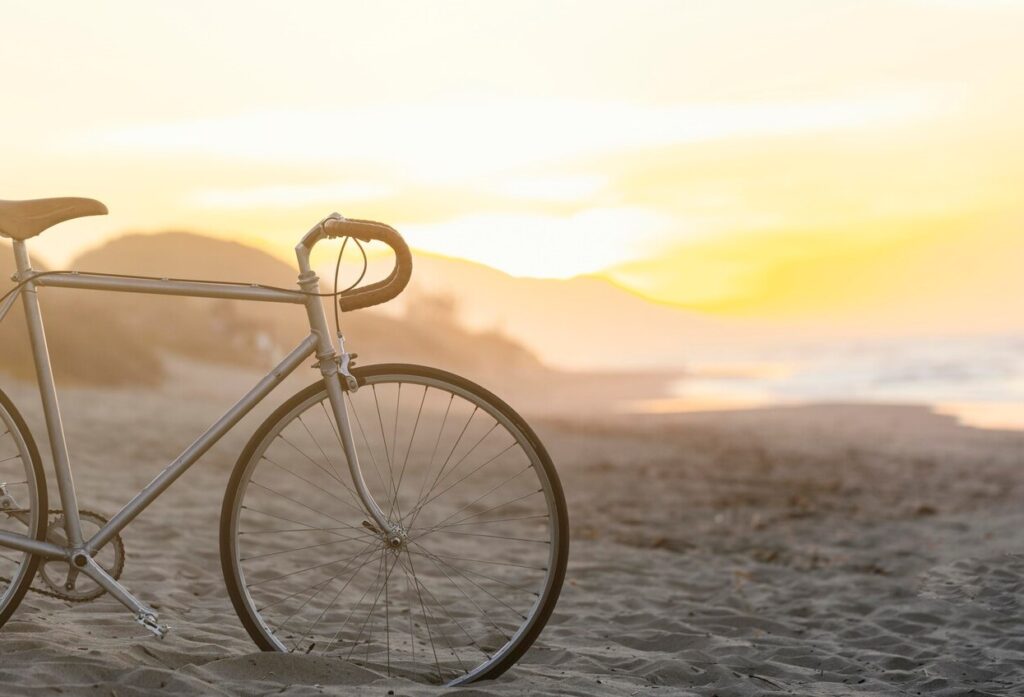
x=336, y=370
x=334, y=366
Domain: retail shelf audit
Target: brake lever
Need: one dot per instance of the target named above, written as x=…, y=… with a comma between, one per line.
x=335, y=216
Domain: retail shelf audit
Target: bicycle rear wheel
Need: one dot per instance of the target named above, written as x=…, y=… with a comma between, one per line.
x=471, y=583
x=22, y=505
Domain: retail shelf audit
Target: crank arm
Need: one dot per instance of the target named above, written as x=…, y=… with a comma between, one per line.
x=144, y=615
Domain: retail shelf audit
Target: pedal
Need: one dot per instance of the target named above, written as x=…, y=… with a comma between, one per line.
x=149, y=621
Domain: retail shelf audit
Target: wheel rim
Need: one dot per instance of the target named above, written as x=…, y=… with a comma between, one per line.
x=462, y=581
x=21, y=516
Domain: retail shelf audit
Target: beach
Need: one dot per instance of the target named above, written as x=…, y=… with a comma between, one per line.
x=810, y=550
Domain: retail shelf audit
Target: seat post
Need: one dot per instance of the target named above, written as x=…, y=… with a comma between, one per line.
x=48, y=394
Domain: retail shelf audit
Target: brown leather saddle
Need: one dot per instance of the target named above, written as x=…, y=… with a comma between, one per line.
x=21, y=220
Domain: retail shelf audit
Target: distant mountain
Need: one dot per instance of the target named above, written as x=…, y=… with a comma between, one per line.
x=582, y=323
x=87, y=343
x=261, y=332
x=117, y=338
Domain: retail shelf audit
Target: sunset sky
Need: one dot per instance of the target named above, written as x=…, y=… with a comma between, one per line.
x=751, y=158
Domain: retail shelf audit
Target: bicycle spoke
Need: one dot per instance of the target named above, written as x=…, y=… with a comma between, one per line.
x=299, y=522
x=455, y=484
x=451, y=452
x=383, y=437
x=464, y=571
x=352, y=612
x=316, y=442
x=494, y=520
x=456, y=569
x=334, y=600
x=419, y=586
x=426, y=622
x=393, y=493
x=387, y=622
x=322, y=588
x=466, y=566
x=328, y=581
x=395, y=503
x=25, y=515
x=468, y=597
x=330, y=463
x=287, y=530
x=497, y=537
x=315, y=486
x=492, y=563
x=369, y=637
x=455, y=621
x=412, y=635
x=333, y=475
x=470, y=452
x=484, y=512
x=288, y=597
x=373, y=607
x=355, y=642
x=412, y=438
x=366, y=441
x=299, y=503
x=438, y=482
x=300, y=571
x=299, y=549
x=433, y=453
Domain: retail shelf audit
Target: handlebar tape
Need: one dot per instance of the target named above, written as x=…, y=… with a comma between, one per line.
x=397, y=280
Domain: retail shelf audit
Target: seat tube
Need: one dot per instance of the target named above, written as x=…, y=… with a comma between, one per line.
x=48, y=394
x=327, y=361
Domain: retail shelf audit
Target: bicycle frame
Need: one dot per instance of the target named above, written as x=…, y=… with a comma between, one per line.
x=319, y=343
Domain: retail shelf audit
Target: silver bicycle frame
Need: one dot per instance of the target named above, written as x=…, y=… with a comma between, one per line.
x=319, y=343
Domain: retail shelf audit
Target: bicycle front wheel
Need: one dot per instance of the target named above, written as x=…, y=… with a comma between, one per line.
x=466, y=588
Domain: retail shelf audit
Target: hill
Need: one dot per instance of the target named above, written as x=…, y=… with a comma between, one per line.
x=87, y=344
x=581, y=323
x=114, y=338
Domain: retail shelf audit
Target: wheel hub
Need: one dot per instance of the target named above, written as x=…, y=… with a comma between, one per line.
x=396, y=539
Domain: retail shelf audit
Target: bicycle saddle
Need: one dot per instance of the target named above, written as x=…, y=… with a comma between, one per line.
x=21, y=220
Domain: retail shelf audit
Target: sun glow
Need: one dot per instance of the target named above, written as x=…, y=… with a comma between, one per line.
x=545, y=246
x=776, y=171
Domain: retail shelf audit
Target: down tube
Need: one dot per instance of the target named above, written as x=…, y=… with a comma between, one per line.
x=188, y=458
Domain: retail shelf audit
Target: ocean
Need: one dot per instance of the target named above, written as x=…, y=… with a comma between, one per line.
x=979, y=380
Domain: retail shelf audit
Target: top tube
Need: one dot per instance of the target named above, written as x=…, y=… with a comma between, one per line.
x=197, y=289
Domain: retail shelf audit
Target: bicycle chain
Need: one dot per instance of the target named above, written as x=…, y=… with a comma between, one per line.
x=115, y=573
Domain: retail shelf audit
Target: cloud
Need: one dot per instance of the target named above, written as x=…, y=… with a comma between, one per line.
x=284, y=196
x=464, y=138
x=553, y=189
x=545, y=246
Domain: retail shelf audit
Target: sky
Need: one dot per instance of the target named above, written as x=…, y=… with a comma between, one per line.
x=746, y=158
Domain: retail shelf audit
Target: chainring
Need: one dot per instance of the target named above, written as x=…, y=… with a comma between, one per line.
x=60, y=579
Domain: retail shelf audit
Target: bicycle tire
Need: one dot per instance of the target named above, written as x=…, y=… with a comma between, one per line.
x=18, y=582
x=369, y=378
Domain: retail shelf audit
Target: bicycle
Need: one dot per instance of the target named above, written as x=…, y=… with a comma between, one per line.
x=465, y=511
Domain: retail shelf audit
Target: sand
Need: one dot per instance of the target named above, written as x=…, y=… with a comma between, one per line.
x=829, y=550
